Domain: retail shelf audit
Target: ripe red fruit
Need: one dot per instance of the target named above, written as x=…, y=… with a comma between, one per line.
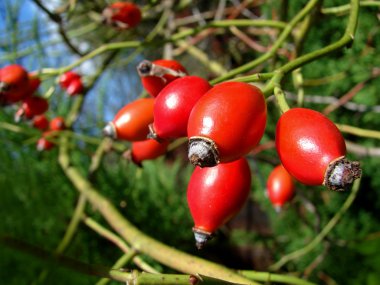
x=13, y=83
x=131, y=123
x=159, y=73
x=44, y=143
x=75, y=87
x=68, y=77
x=57, y=124
x=173, y=105
x=280, y=187
x=34, y=83
x=226, y=123
x=122, y=15
x=215, y=195
x=312, y=150
x=146, y=150
x=31, y=106
x=40, y=122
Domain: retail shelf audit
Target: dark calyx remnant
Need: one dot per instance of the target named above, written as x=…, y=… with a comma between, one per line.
x=109, y=131
x=201, y=237
x=144, y=68
x=203, y=152
x=341, y=173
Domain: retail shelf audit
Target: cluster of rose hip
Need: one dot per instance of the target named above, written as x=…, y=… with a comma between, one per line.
x=223, y=123
x=18, y=87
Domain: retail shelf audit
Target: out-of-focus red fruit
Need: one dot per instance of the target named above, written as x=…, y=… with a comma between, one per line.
x=122, y=15
x=13, y=84
x=32, y=106
x=75, y=87
x=57, y=124
x=34, y=83
x=66, y=78
x=280, y=187
x=40, y=122
x=44, y=144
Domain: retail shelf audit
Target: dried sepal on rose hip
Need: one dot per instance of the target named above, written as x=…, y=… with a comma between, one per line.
x=215, y=195
x=280, y=187
x=155, y=75
x=313, y=150
x=131, y=122
x=226, y=123
x=173, y=105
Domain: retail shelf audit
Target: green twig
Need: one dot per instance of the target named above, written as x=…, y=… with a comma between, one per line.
x=340, y=10
x=281, y=39
x=359, y=131
x=325, y=231
x=98, y=228
x=272, y=277
x=122, y=261
x=165, y=254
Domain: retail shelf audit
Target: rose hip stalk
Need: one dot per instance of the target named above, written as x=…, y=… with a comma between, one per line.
x=226, y=123
x=312, y=150
x=215, y=195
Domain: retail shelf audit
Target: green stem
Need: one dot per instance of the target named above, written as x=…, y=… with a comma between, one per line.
x=99, y=229
x=163, y=253
x=271, y=277
x=345, y=40
x=280, y=98
x=359, y=131
x=122, y=261
x=143, y=278
x=283, y=36
x=325, y=231
x=347, y=7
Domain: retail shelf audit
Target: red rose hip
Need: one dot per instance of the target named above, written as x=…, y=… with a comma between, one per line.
x=173, y=105
x=280, y=187
x=145, y=150
x=226, y=123
x=14, y=83
x=131, y=123
x=159, y=73
x=312, y=150
x=122, y=15
x=215, y=195
x=57, y=124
